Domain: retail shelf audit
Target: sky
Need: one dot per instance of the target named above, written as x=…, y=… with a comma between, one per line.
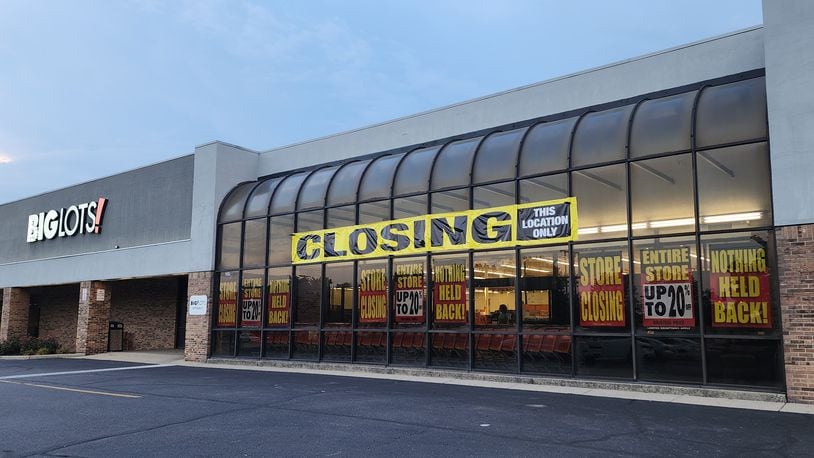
x=91, y=88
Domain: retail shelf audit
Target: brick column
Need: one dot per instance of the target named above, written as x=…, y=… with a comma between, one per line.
x=199, y=327
x=14, y=320
x=93, y=317
x=795, y=260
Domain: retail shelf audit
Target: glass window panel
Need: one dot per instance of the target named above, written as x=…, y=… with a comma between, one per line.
x=450, y=286
x=450, y=201
x=449, y=350
x=601, y=291
x=305, y=345
x=310, y=221
x=410, y=292
x=258, y=203
x=229, y=256
x=409, y=349
x=373, y=212
x=497, y=156
x=371, y=347
x=544, y=188
x=251, y=300
x=731, y=112
x=604, y=357
x=413, y=174
x=665, y=286
x=737, y=279
x=254, y=243
x=342, y=216
x=232, y=208
x=662, y=125
x=734, y=187
x=454, y=164
x=248, y=344
x=662, y=195
x=496, y=351
x=276, y=345
x=278, y=300
x=545, y=148
x=601, y=137
x=372, y=286
x=494, y=280
x=280, y=230
x=285, y=198
x=669, y=359
x=493, y=195
x=309, y=293
x=227, y=301
x=601, y=202
x=744, y=362
x=313, y=190
x=544, y=283
x=336, y=346
x=378, y=179
x=547, y=353
x=410, y=206
x=223, y=343
x=339, y=285
x=345, y=184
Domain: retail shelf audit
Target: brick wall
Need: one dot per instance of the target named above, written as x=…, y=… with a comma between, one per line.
x=58, y=310
x=198, y=328
x=92, y=318
x=795, y=253
x=147, y=307
x=14, y=321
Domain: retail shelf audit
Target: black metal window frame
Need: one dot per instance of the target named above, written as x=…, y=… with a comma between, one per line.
x=700, y=332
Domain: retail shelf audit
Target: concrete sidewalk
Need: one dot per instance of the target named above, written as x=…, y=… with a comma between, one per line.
x=643, y=392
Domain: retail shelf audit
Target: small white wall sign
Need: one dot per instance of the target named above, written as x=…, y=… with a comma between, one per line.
x=197, y=305
x=100, y=295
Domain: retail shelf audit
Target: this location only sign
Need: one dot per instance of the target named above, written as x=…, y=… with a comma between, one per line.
x=197, y=305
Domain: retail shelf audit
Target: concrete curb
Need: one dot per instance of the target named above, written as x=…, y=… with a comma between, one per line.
x=53, y=356
x=364, y=370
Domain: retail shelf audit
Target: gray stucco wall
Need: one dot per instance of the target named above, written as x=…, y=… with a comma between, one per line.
x=145, y=206
x=789, y=45
x=687, y=64
x=177, y=200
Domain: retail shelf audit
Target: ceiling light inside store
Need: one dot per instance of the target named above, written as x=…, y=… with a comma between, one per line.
x=530, y=269
x=672, y=223
x=734, y=217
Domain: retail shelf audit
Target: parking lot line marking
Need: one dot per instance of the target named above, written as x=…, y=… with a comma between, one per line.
x=75, y=390
x=86, y=371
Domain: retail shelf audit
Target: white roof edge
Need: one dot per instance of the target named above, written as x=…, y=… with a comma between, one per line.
x=521, y=88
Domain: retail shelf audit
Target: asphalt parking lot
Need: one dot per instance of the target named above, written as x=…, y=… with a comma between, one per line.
x=103, y=408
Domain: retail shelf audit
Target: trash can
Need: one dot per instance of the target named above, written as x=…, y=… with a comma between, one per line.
x=115, y=336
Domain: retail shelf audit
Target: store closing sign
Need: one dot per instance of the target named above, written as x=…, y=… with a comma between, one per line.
x=537, y=223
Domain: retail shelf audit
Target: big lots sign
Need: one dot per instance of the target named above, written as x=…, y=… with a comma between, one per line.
x=84, y=218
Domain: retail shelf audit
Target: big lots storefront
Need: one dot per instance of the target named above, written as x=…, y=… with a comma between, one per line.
x=648, y=222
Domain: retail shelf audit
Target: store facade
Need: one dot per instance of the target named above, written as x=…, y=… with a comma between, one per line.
x=650, y=221
x=668, y=275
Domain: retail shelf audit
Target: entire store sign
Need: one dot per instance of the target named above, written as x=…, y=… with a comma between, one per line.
x=667, y=288
x=84, y=218
x=553, y=221
x=739, y=286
